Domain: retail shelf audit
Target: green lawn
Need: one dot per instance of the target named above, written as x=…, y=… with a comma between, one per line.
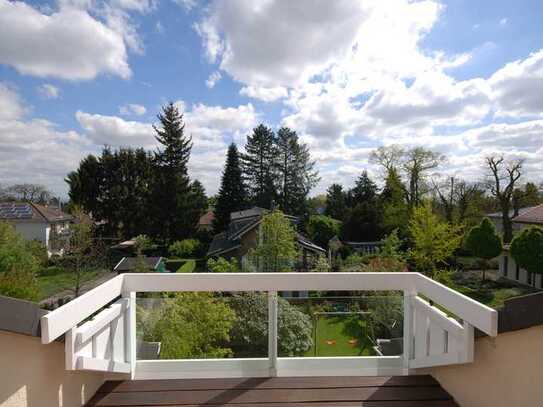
x=345, y=335
x=55, y=283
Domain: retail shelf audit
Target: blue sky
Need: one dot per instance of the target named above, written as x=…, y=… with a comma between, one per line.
x=461, y=77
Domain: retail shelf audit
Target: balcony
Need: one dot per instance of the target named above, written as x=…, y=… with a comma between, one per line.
x=437, y=326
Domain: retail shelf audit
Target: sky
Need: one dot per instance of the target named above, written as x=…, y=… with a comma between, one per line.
x=461, y=77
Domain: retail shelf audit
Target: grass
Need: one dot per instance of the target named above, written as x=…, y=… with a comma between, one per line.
x=55, y=283
x=344, y=335
x=188, y=267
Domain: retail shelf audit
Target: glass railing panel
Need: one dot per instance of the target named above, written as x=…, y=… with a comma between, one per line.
x=192, y=325
x=343, y=324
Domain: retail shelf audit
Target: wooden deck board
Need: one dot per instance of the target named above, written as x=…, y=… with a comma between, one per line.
x=396, y=391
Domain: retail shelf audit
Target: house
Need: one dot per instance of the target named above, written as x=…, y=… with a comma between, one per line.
x=205, y=223
x=128, y=265
x=496, y=218
x=45, y=224
x=532, y=216
x=242, y=235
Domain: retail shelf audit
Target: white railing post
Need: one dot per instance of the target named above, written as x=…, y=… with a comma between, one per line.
x=469, y=343
x=130, y=332
x=272, y=332
x=69, y=346
x=408, y=317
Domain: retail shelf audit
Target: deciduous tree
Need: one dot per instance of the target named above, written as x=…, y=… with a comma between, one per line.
x=483, y=242
x=527, y=250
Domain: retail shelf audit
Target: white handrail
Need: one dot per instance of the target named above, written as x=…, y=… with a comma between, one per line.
x=68, y=316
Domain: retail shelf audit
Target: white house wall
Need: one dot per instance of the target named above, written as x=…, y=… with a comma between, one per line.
x=33, y=231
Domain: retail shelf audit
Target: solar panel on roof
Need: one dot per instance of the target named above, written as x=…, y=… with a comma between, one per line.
x=15, y=211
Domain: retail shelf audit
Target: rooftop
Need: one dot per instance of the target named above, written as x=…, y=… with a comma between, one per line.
x=31, y=212
x=532, y=215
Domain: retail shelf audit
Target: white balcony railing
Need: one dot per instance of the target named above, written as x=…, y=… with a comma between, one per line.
x=107, y=342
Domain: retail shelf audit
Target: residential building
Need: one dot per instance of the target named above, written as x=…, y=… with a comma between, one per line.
x=242, y=236
x=205, y=223
x=532, y=216
x=46, y=224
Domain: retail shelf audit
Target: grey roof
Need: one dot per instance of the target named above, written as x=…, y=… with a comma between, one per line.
x=20, y=316
x=498, y=215
x=244, y=221
x=129, y=263
x=221, y=244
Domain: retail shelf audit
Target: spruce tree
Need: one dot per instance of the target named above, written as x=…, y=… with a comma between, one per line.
x=364, y=190
x=295, y=172
x=336, y=206
x=394, y=205
x=258, y=166
x=232, y=193
x=173, y=213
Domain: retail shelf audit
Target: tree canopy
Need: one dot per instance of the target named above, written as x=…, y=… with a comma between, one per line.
x=527, y=249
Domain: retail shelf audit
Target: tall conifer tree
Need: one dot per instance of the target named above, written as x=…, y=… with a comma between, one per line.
x=258, y=166
x=232, y=193
x=295, y=171
x=176, y=218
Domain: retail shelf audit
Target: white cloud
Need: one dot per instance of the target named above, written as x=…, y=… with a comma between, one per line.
x=132, y=108
x=159, y=28
x=263, y=93
x=11, y=107
x=34, y=150
x=517, y=87
x=503, y=21
x=213, y=79
x=186, y=4
x=48, y=91
x=68, y=44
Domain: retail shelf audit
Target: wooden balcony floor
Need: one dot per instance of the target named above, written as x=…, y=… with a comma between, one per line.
x=396, y=391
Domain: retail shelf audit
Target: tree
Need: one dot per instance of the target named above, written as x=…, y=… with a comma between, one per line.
x=142, y=243
x=530, y=196
x=364, y=190
x=250, y=331
x=416, y=164
x=502, y=180
x=18, y=265
x=295, y=171
x=363, y=223
x=204, y=321
x=258, y=164
x=433, y=241
x=388, y=157
x=483, y=242
x=183, y=248
x=221, y=265
x=276, y=248
x=35, y=193
x=395, y=213
x=232, y=195
x=527, y=250
x=336, y=205
x=322, y=228
x=177, y=217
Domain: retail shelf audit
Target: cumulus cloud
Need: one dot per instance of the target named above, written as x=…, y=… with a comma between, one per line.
x=213, y=79
x=68, y=44
x=35, y=150
x=263, y=93
x=517, y=87
x=48, y=91
x=132, y=108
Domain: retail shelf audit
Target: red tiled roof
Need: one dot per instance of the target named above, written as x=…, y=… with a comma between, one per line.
x=534, y=215
x=206, y=218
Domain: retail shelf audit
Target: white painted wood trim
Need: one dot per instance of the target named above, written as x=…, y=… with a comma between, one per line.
x=201, y=368
x=156, y=282
x=272, y=332
x=477, y=314
x=59, y=321
x=439, y=317
x=130, y=329
x=258, y=367
x=100, y=365
x=86, y=331
x=70, y=349
x=408, y=325
x=435, y=360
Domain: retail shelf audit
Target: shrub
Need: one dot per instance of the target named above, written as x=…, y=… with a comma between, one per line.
x=527, y=250
x=250, y=330
x=483, y=241
x=189, y=325
x=183, y=248
x=322, y=228
x=321, y=265
x=221, y=265
x=188, y=267
x=382, y=264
